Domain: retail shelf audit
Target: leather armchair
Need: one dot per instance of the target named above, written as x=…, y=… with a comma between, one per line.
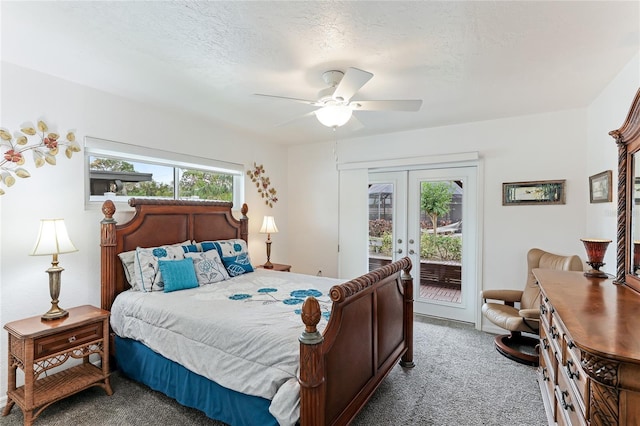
x=525, y=316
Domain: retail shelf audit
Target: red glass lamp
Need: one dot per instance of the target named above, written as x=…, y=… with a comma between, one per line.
x=596, y=248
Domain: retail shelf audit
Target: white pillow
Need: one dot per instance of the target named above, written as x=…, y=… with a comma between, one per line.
x=208, y=266
x=147, y=271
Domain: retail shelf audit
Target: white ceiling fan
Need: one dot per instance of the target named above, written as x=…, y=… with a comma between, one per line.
x=335, y=106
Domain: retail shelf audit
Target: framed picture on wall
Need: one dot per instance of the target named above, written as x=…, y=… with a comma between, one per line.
x=533, y=193
x=600, y=187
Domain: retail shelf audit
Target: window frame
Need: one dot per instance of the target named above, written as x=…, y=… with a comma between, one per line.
x=96, y=147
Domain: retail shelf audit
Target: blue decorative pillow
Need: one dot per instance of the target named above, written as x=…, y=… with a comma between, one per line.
x=190, y=248
x=208, y=266
x=237, y=265
x=234, y=254
x=229, y=248
x=178, y=274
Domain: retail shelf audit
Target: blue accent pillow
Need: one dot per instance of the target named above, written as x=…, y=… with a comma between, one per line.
x=237, y=265
x=190, y=248
x=178, y=274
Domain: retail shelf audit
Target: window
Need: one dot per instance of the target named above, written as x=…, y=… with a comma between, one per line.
x=121, y=171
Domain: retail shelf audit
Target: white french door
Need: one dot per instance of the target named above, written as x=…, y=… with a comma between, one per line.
x=444, y=256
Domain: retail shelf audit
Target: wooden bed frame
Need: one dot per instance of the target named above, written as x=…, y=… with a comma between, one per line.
x=371, y=323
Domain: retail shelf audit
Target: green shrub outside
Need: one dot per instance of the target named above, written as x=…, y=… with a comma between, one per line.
x=433, y=247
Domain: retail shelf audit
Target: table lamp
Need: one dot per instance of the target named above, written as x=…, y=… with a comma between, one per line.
x=53, y=240
x=268, y=227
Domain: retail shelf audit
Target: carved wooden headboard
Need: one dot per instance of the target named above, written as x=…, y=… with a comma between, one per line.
x=160, y=222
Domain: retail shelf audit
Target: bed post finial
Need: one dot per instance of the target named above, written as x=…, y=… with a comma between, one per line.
x=312, y=375
x=108, y=209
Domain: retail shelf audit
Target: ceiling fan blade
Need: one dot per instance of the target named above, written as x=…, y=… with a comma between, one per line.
x=304, y=101
x=355, y=124
x=398, y=105
x=351, y=82
x=300, y=117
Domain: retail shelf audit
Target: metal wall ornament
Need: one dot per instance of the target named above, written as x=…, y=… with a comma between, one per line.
x=263, y=183
x=45, y=148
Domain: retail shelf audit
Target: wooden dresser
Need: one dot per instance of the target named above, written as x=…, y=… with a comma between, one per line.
x=589, y=370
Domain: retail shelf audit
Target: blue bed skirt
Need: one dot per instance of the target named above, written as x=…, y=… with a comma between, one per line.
x=140, y=363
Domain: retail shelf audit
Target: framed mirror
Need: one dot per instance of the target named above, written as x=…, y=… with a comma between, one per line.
x=628, y=245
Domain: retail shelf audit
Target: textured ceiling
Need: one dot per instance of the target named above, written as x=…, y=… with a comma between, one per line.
x=467, y=60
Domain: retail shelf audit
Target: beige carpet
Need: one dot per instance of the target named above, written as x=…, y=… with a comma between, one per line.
x=459, y=380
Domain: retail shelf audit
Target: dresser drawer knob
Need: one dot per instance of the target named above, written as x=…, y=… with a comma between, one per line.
x=554, y=332
x=72, y=339
x=572, y=374
x=564, y=403
x=543, y=309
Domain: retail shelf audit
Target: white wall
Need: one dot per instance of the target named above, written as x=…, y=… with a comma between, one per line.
x=313, y=209
x=57, y=191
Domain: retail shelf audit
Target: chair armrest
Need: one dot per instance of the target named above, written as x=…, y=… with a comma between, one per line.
x=530, y=313
x=505, y=295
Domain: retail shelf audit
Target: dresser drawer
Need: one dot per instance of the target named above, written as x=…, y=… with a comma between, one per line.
x=555, y=336
x=568, y=405
x=548, y=356
x=60, y=342
x=545, y=309
x=546, y=373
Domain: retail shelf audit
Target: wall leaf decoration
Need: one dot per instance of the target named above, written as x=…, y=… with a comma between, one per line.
x=45, y=148
x=263, y=184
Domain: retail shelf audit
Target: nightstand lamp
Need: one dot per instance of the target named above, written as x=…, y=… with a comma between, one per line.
x=53, y=240
x=268, y=227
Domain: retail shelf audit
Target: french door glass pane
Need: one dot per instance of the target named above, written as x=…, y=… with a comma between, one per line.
x=441, y=240
x=380, y=224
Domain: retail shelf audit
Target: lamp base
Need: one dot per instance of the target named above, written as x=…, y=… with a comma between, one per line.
x=268, y=265
x=594, y=273
x=55, y=312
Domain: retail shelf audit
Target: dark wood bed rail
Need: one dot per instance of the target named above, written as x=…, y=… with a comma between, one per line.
x=369, y=331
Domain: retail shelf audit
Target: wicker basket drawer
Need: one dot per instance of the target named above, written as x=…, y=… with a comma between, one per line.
x=48, y=345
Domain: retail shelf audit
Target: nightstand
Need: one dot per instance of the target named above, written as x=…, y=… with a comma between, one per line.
x=278, y=267
x=36, y=346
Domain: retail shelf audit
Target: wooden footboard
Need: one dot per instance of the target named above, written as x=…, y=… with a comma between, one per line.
x=370, y=330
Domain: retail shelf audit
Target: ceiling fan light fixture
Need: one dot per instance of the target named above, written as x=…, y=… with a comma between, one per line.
x=334, y=115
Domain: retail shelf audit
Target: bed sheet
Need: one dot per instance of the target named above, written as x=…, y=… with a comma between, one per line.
x=241, y=333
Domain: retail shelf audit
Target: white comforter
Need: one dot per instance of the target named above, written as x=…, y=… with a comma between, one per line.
x=242, y=333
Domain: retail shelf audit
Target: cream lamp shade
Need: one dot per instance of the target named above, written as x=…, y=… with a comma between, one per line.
x=53, y=239
x=268, y=225
x=334, y=115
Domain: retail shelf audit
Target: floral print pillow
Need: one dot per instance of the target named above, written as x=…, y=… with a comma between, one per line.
x=235, y=256
x=208, y=266
x=148, y=277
